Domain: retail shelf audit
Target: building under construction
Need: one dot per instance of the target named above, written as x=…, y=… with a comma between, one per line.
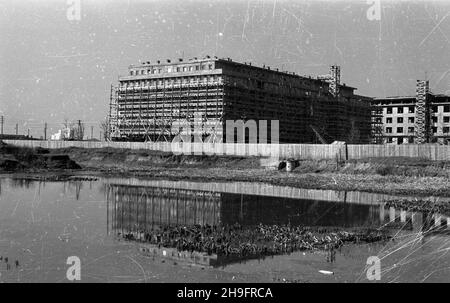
x=153, y=95
x=424, y=118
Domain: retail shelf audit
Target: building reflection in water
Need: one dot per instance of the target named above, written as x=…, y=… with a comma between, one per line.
x=143, y=207
x=157, y=205
x=135, y=210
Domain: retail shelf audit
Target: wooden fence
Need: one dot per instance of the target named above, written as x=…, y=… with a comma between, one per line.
x=282, y=151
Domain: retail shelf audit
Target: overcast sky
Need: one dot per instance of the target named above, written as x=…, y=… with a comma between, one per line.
x=54, y=67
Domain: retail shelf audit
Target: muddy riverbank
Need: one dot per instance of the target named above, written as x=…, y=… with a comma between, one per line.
x=396, y=176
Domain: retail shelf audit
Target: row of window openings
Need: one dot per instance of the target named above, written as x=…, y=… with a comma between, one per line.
x=411, y=130
x=400, y=140
x=170, y=69
x=446, y=108
x=171, y=82
x=411, y=109
x=400, y=110
x=435, y=119
x=411, y=120
x=400, y=120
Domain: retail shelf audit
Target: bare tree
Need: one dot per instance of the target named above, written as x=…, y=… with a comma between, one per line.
x=106, y=128
x=67, y=127
x=354, y=134
x=66, y=123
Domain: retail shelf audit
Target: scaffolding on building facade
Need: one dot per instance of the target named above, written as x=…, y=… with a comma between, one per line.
x=422, y=127
x=153, y=102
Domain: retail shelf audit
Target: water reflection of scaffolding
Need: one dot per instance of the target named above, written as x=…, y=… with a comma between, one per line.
x=262, y=189
x=155, y=217
x=133, y=208
x=414, y=221
x=139, y=208
x=147, y=207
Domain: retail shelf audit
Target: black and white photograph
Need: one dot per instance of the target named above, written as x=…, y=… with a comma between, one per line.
x=224, y=148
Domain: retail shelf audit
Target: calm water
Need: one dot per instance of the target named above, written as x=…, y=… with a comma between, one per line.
x=44, y=223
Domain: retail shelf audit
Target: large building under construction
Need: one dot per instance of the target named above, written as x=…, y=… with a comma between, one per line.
x=423, y=118
x=153, y=95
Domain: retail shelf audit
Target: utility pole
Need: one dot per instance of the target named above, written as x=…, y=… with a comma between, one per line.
x=79, y=131
x=28, y=133
x=17, y=129
x=45, y=131
x=100, y=136
x=92, y=132
x=2, y=120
